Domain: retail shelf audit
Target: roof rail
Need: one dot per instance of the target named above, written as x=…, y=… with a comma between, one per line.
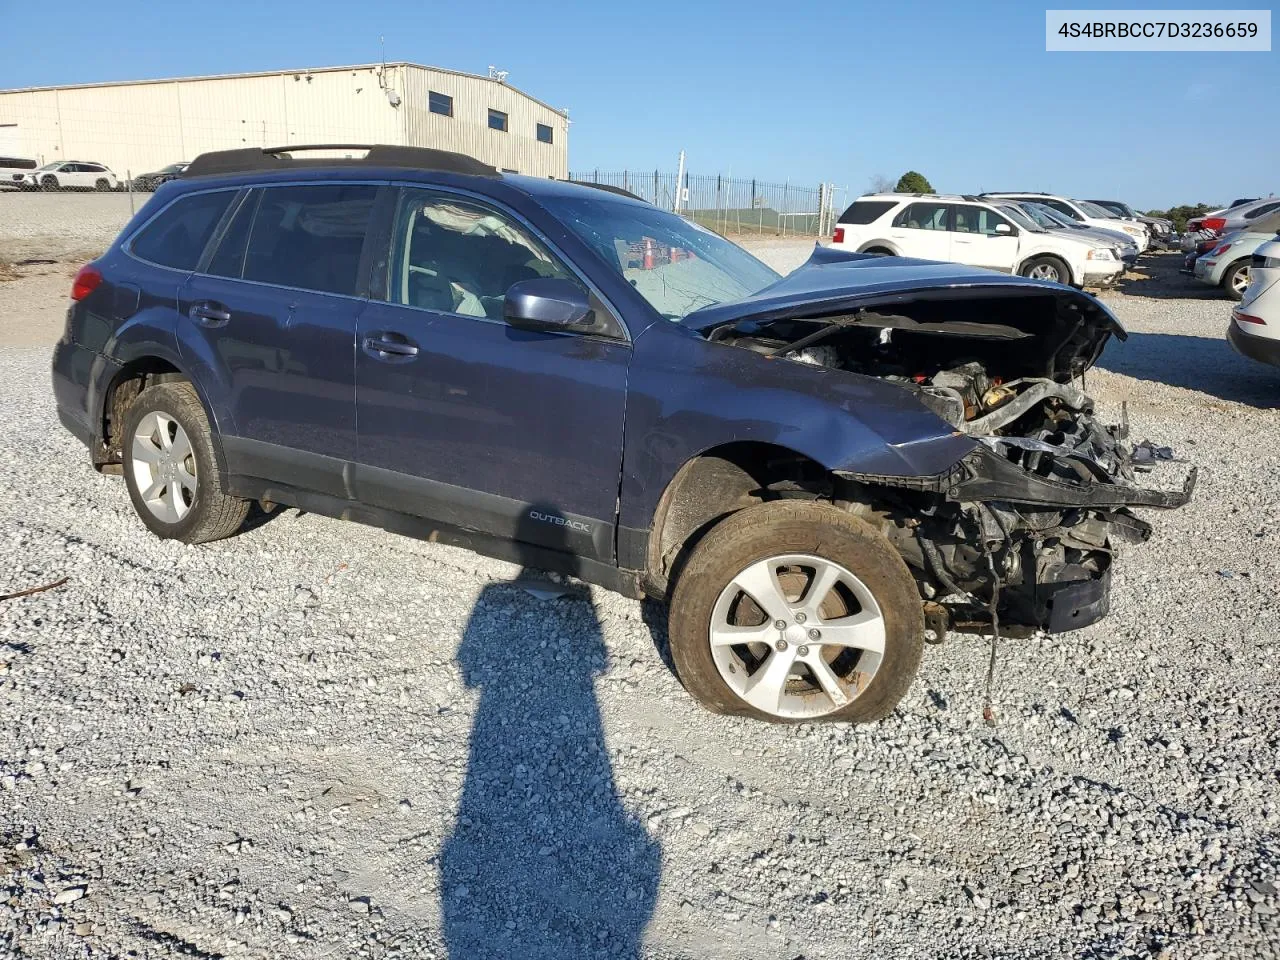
x=608, y=188
x=251, y=159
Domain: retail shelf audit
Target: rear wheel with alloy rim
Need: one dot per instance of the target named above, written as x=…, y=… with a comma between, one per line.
x=170, y=470
x=1236, y=280
x=796, y=611
x=49, y=183
x=1046, y=268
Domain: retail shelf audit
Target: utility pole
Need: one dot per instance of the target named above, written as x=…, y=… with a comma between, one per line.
x=679, y=184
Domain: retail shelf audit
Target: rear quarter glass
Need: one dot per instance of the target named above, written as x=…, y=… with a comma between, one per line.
x=866, y=211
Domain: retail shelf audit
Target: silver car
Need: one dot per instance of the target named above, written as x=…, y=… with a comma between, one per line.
x=1227, y=265
x=1051, y=219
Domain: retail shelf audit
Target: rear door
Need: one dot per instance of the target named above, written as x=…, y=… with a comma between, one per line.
x=469, y=421
x=977, y=240
x=268, y=322
x=921, y=229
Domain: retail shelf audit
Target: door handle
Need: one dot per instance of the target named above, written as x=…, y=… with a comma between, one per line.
x=386, y=346
x=209, y=314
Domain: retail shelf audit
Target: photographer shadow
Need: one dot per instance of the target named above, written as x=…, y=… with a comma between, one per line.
x=545, y=860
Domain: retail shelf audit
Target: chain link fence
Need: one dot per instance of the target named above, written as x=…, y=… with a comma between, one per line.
x=733, y=205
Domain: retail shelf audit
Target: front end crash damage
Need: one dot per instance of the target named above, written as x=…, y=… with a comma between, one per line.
x=1025, y=526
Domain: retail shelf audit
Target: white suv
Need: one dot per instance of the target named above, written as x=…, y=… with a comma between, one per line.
x=1083, y=211
x=71, y=175
x=974, y=231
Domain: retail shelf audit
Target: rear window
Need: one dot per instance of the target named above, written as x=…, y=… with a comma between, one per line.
x=177, y=237
x=310, y=237
x=866, y=211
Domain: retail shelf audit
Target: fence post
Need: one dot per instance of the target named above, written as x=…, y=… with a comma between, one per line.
x=786, y=205
x=596, y=175
x=655, y=188
x=128, y=175
x=626, y=184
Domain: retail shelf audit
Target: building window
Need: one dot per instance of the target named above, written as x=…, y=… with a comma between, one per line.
x=440, y=103
x=544, y=133
x=497, y=120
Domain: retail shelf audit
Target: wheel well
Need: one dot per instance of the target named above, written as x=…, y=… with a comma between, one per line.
x=132, y=379
x=717, y=483
x=878, y=248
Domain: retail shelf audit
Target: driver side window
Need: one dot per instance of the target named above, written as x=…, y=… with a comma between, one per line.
x=453, y=255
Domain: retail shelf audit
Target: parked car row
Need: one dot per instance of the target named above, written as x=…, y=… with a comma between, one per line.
x=26, y=174
x=1038, y=235
x=1219, y=246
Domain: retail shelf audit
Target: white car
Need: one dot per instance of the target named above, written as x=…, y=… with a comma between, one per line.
x=974, y=231
x=71, y=175
x=1082, y=211
x=1255, y=322
x=14, y=170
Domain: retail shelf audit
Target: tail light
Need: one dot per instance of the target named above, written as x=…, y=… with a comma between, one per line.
x=1213, y=223
x=86, y=281
x=1222, y=249
x=838, y=236
x=1247, y=318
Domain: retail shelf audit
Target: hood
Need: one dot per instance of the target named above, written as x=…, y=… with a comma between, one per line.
x=1063, y=328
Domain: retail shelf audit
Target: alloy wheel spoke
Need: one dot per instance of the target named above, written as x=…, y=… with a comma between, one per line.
x=176, y=502
x=825, y=577
x=729, y=635
x=765, y=688
x=181, y=447
x=828, y=680
x=760, y=582
x=166, y=441
x=864, y=631
x=145, y=450
x=154, y=490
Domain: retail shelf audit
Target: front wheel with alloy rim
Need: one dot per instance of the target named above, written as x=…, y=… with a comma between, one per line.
x=796, y=611
x=1046, y=268
x=170, y=470
x=1236, y=280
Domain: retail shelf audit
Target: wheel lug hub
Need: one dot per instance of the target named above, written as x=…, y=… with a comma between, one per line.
x=780, y=646
x=802, y=652
x=800, y=618
x=815, y=633
x=780, y=624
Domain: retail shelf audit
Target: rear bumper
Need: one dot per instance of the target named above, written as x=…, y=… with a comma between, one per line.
x=74, y=369
x=1262, y=349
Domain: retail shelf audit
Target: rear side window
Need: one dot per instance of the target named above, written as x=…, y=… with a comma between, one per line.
x=1062, y=208
x=922, y=216
x=977, y=220
x=866, y=211
x=178, y=236
x=1265, y=208
x=308, y=237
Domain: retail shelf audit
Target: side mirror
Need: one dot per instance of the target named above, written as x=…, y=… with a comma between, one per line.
x=1003, y=230
x=546, y=303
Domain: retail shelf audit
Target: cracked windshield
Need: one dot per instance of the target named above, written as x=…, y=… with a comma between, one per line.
x=676, y=265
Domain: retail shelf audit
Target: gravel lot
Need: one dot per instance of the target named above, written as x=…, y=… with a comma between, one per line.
x=322, y=740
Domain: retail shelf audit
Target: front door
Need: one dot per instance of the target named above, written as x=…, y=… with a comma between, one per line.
x=982, y=238
x=471, y=422
x=269, y=323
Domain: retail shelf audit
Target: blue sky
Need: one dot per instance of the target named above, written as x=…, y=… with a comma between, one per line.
x=837, y=91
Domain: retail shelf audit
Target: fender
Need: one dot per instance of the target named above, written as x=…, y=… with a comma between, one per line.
x=688, y=395
x=150, y=334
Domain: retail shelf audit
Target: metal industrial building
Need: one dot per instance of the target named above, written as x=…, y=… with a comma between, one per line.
x=143, y=125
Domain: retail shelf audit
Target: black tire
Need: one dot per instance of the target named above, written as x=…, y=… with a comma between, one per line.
x=1043, y=266
x=795, y=527
x=212, y=514
x=102, y=185
x=880, y=251
x=49, y=182
x=1236, y=273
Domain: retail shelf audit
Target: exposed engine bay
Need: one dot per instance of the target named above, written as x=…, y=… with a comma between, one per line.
x=1024, y=528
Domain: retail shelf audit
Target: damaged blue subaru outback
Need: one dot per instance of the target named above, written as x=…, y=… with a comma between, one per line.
x=813, y=470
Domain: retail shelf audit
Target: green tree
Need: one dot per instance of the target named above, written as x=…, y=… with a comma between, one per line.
x=912, y=182
x=1182, y=213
